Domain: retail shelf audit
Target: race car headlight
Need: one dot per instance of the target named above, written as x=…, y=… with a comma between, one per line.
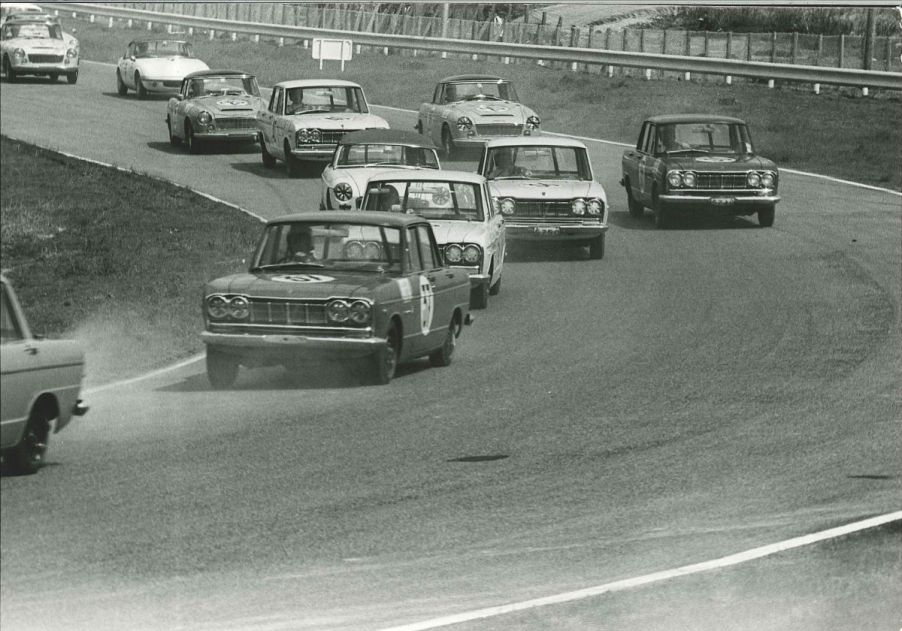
x=217, y=306
x=453, y=253
x=689, y=179
x=464, y=123
x=533, y=122
x=674, y=179
x=71, y=53
x=239, y=308
x=373, y=251
x=19, y=52
x=205, y=118
x=753, y=179
x=578, y=206
x=343, y=191
x=768, y=180
x=354, y=250
x=338, y=311
x=472, y=254
x=308, y=135
x=507, y=206
x=595, y=206
x=360, y=312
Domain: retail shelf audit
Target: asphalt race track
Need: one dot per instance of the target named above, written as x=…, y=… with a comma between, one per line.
x=699, y=391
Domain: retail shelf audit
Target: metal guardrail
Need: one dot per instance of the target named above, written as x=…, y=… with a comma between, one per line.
x=676, y=63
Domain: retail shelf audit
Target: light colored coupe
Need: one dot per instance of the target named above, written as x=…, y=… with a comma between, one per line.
x=40, y=381
x=362, y=153
x=306, y=118
x=214, y=105
x=468, y=110
x=547, y=191
x=155, y=66
x=34, y=44
x=467, y=225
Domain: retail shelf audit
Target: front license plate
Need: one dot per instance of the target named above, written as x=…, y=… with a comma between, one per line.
x=722, y=201
x=546, y=229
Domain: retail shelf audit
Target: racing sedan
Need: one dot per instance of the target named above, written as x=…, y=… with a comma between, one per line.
x=155, y=66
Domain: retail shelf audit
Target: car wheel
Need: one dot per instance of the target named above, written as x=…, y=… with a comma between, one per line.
x=442, y=357
x=766, y=216
x=636, y=209
x=28, y=456
x=53, y=76
x=222, y=369
x=191, y=141
x=662, y=220
x=174, y=140
x=495, y=289
x=448, y=142
x=596, y=247
x=385, y=361
x=121, y=88
x=139, y=87
x=479, y=297
x=268, y=161
x=8, y=70
x=72, y=78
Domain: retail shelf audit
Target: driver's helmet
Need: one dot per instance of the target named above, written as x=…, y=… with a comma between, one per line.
x=299, y=239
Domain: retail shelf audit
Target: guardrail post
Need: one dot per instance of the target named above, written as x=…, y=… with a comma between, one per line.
x=770, y=84
x=130, y=23
x=150, y=26
x=212, y=34
x=817, y=88
x=256, y=38
x=91, y=19
x=864, y=91
x=190, y=30
x=110, y=23
x=282, y=42
x=234, y=36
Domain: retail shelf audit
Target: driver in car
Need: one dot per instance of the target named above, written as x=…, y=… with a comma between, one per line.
x=300, y=246
x=504, y=165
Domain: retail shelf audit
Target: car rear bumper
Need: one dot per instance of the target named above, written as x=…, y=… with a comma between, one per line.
x=276, y=346
x=552, y=232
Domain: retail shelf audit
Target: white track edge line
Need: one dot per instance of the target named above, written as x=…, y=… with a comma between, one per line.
x=684, y=570
x=153, y=373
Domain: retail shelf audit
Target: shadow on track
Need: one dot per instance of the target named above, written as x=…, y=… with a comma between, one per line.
x=278, y=172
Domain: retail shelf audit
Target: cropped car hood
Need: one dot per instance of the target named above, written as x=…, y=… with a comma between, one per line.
x=230, y=104
x=338, y=120
x=458, y=231
x=705, y=162
x=549, y=189
x=493, y=111
x=168, y=68
x=300, y=283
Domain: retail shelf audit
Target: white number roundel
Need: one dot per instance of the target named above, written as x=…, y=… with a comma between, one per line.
x=427, y=305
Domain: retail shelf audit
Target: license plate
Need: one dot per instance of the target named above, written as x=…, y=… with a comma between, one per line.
x=722, y=201
x=546, y=229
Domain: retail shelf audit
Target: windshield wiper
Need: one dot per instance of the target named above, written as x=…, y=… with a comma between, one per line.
x=310, y=112
x=301, y=264
x=512, y=177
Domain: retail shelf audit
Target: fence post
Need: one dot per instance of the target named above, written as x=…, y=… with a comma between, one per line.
x=748, y=47
x=664, y=43
x=773, y=47
x=820, y=50
x=607, y=39
x=842, y=50
x=889, y=52
x=707, y=43
x=794, y=51
x=729, y=44
x=688, y=52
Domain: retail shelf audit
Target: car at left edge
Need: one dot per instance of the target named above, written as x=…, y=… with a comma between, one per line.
x=35, y=44
x=155, y=66
x=40, y=384
x=214, y=105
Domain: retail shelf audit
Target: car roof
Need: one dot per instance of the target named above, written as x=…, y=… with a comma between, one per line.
x=539, y=140
x=374, y=218
x=693, y=118
x=144, y=40
x=472, y=77
x=217, y=73
x=387, y=136
x=313, y=83
x=429, y=175
x=14, y=18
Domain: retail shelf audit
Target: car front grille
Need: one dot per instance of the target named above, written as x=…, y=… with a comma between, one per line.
x=236, y=123
x=720, y=181
x=45, y=59
x=542, y=208
x=287, y=313
x=499, y=129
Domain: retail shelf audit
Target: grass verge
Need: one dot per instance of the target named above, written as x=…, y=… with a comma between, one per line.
x=835, y=133
x=114, y=259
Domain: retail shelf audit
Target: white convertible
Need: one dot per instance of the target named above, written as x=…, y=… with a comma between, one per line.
x=306, y=118
x=155, y=66
x=34, y=44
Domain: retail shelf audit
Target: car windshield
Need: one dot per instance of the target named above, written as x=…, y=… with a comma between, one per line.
x=318, y=246
x=535, y=162
x=480, y=91
x=377, y=154
x=221, y=86
x=439, y=199
x=32, y=31
x=163, y=48
x=729, y=138
x=310, y=100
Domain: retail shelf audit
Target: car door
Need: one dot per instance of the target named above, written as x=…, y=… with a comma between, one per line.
x=128, y=66
x=496, y=240
x=267, y=120
x=18, y=359
x=631, y=163
x=437, y=290
x=648, y=165
x=177, y=107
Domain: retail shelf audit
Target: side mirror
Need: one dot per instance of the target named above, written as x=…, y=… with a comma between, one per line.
x=132, y=57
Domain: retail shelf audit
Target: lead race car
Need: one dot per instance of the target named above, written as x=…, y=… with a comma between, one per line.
x=214, y=105
x=337, y=285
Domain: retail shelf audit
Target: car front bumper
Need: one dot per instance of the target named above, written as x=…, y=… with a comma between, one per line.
x=44, y=68
x=725, y=202
x=228, y=134
x=276, y=347
x=314, y=152
x=552, y=232
x=161, y=86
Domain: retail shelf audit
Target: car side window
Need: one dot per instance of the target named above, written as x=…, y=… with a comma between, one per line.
x=652, y=139
x=643, y=136
x=274, y=100
x=413, y=251
x=437, y=95
x=428, y=250
x=10, y=331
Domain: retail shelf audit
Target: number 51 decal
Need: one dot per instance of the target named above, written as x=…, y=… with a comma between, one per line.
x=427, y=305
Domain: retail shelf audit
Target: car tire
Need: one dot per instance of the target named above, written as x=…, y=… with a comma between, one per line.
x=72, y=78
x=140, y=92
x=174, y=140
x=442, y=356
x=479, y=297
x=495, y=289
x=8, y=70
x=448, y=145
x=53, y=76
x=268, y=161
x=222, y=369
x=766, y=216
x=28, y=455
x=636, y=209
x=385, y=361
x=191, y=141
x=596, y=247
x=121, y=88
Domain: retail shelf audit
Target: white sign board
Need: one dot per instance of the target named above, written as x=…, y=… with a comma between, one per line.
x=338, y=49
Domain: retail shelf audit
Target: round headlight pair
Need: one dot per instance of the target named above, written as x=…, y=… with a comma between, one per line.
x=464, y=123
x=462, y=253
x=533, y=122
x=507, y=206
x=205, y=118
x=343, y=191
x=309, y=135
x=220, y=307
x=356, y=311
